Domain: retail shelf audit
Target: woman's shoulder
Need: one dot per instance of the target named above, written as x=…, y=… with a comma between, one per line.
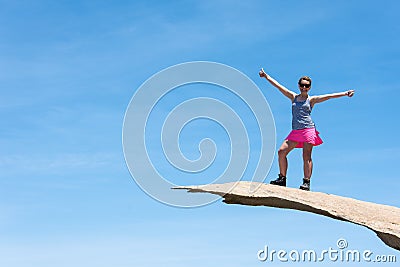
x=312, y=98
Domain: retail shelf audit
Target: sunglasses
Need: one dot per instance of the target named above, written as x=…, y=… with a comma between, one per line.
x=304, y=85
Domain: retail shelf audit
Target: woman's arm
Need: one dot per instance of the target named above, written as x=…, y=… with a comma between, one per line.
x=321, y=98
x=281, y=88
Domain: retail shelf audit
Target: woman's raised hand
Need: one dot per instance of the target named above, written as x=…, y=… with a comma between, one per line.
x=350, y=93
x=262, y=73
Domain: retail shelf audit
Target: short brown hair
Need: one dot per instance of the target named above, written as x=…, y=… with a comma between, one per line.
x=306, y=78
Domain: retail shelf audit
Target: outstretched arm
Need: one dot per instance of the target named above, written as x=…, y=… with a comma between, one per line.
x=281, y=88
x=321, y=98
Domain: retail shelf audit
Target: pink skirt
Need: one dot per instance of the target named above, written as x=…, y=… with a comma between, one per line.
x=308, y=135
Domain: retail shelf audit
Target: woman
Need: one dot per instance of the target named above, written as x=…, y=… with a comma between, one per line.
x=304, y=134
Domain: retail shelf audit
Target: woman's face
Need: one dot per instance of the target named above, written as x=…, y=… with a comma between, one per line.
x=304, y=86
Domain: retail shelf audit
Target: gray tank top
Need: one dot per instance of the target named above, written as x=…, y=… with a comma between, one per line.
x=301, y=114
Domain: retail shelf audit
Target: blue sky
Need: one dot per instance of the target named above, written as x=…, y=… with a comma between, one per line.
x=68, y=70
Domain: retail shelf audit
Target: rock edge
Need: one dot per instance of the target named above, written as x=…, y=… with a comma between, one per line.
x=384, y=220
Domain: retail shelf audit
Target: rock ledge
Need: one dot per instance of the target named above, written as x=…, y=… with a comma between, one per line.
x=382, y=219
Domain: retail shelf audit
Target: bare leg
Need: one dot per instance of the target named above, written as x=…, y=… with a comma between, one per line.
x=308, y=164
x=283, y=151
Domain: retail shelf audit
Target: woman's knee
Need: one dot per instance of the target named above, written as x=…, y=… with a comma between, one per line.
x=286, y=147
x=282, y=152
x=307, y=158
x=307, y=155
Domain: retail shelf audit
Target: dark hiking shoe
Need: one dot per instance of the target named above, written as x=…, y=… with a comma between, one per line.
x=281, y=180
x=305, y=185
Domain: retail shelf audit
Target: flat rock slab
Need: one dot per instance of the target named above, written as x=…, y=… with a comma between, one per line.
x=384, y=220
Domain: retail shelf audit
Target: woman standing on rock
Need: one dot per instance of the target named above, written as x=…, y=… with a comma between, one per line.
x=304, y=134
